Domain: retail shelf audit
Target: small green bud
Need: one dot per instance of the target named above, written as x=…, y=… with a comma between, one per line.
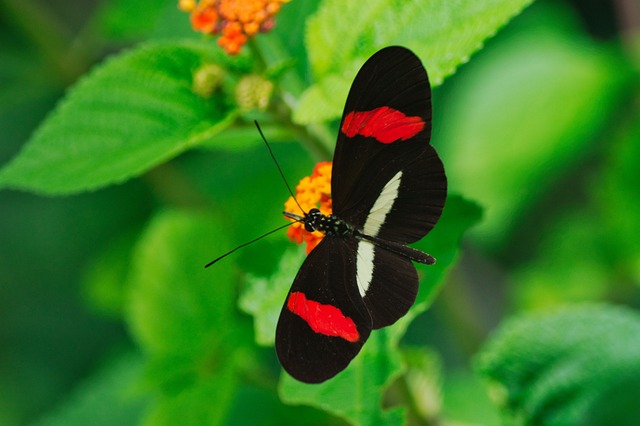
x=207, y=79
x=254, y=92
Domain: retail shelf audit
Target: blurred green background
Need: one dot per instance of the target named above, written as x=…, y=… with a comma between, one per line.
x=541, y=129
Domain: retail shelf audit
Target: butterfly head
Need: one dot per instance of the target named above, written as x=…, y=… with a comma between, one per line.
x=314, y=220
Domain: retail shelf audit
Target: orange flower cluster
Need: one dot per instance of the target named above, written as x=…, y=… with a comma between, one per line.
x=312, y=191
x=235, y=20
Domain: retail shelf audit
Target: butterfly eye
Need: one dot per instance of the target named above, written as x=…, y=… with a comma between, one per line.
x=311, y=220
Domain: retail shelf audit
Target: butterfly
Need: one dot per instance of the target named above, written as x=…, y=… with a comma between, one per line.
x=388, y=188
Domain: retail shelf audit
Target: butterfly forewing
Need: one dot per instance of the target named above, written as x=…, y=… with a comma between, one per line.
x=386, y=124
x=324, y=321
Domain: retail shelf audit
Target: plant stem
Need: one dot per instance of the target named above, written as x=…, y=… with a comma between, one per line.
x=316, y=138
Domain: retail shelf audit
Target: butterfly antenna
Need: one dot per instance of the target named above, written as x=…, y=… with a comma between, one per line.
x=278, y=166
x=247, y=243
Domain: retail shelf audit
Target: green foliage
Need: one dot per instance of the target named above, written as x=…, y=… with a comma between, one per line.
x=582, y=279
x=105, y=282
x=129, y=115
x=578, y=365
x=174, y=303
x=444, y=34
x=125, y=19
x=356, y=394
x=108, y=398
x=185, y=322
x=424, y=382
x=526, y=76
x=156, y=167
x=263, y=297
x=614, y=191
x=465, y=400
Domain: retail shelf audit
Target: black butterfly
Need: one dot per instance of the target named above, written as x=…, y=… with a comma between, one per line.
x=389, y=188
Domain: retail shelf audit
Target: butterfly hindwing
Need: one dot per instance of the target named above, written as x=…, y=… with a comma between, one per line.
x=387, y=282
x=324, y=321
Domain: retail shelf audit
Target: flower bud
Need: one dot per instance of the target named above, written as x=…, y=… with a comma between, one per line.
x=253, y=92
x=207, y=79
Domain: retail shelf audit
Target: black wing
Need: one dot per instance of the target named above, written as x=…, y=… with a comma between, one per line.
x=387, y=282
x=385, y=130
x=324, y=321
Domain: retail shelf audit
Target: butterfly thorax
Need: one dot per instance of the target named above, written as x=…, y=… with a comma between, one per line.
x=330, y=225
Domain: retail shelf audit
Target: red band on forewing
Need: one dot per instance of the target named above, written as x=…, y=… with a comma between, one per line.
x=385, y=124
x=323, y=319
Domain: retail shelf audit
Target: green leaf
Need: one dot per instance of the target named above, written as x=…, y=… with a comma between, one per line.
x=130, y=114
x=175, y=303
x=579, y=365
x=107, y=398
x=423, y=383
x=241, y=137
x=184, y=316
x=317, y=105
x=615, y=190
x=465, y=401
x=266, y=406
x=284, y=50
x=131, y=19
x=524, y=114
x=206, y=402
x=105, y=281
x=356, y=393
x=443, y=242
x=578, y=238
x=443, y=33
x=247, y=187
x=263, y=298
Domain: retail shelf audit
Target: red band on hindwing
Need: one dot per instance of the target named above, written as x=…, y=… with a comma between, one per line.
x=384, y=124
x=323, y=319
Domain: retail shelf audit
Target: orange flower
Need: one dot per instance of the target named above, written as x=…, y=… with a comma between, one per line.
x=235, y=20
x=312, y=191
